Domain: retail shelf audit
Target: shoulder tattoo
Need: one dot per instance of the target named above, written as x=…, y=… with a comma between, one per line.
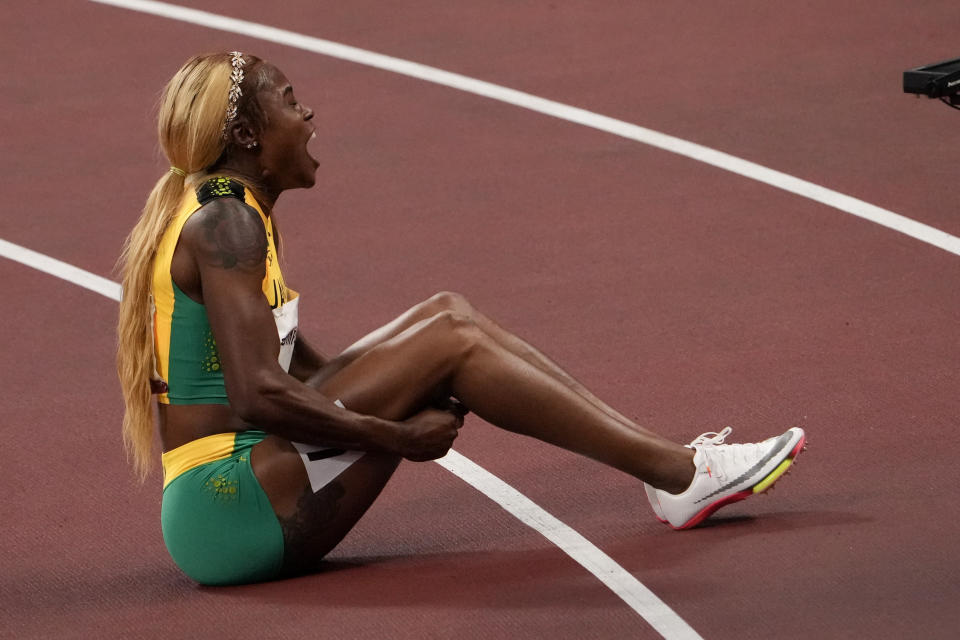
x=233, y=236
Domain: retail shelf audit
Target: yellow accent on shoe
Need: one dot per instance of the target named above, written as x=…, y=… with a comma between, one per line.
x=764, y=484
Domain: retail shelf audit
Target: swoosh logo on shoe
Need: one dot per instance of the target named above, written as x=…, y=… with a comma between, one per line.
x=781, y=443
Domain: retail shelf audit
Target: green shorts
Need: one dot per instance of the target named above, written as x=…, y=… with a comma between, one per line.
x=218, y=524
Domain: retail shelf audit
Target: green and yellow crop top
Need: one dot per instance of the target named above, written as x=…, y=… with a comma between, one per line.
x=187, y=367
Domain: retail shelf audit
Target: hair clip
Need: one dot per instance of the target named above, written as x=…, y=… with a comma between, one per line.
x=236, y=79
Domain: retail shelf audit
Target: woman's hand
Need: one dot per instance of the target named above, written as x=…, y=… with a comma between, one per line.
x=429, y=434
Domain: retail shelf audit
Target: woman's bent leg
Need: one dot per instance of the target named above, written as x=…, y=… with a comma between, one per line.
x=446, y=301
x=449, y=354
x=313, y=523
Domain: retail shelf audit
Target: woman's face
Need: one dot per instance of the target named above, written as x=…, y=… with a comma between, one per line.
x=284, y=159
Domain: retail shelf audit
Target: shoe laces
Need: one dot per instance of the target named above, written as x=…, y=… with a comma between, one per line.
x=711, y=437
x=716, y=457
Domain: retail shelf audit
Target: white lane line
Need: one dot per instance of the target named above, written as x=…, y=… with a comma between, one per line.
x=619, y=580
x=645, y=602
x=719, y=159
x=60, y=269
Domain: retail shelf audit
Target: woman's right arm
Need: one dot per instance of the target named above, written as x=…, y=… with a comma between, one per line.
x=227, y=242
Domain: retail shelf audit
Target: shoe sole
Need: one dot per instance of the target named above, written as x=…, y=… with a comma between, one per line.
x=765, y=483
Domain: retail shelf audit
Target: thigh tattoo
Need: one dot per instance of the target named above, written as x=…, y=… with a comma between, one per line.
x=311, y=531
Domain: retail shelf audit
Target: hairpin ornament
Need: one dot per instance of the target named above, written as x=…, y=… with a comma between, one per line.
x=236, y=79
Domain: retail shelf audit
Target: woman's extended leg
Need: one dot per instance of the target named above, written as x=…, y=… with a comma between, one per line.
x=458, y=304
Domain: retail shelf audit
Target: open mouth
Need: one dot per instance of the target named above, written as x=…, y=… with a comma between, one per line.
x=310, y=142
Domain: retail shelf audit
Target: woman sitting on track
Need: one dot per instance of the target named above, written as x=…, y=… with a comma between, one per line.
x=272, y=451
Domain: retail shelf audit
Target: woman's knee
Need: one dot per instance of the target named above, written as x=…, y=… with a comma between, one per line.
x=449, y=301
x=457, y=328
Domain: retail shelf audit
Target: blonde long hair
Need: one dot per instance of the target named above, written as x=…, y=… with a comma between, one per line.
x=190, y=127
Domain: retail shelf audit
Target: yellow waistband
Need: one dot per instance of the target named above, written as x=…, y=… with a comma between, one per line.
x=195, y=453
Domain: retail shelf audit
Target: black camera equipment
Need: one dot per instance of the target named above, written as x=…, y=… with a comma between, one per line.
x=939, y=80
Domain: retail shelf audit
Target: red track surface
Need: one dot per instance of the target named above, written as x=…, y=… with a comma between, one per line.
x=688, y=296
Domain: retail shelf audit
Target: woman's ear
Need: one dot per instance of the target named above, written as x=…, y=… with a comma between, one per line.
x=240, y=134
